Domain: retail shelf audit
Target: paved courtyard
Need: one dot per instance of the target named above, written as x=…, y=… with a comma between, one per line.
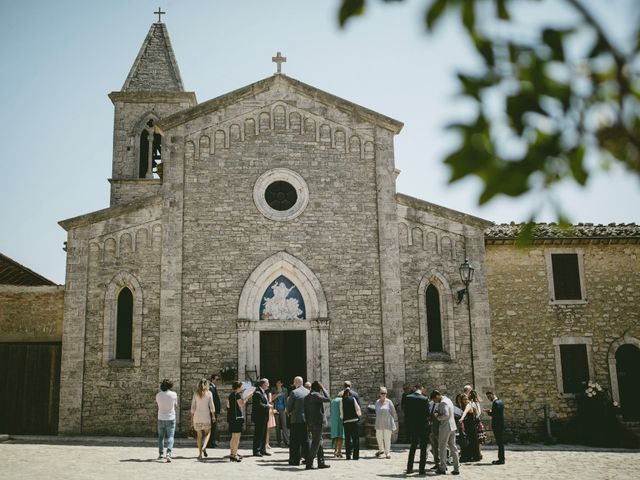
x=65, y=461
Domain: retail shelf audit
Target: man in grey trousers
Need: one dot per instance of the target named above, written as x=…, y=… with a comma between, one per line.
x=447, y=429
x=298, y=440
x=434, y=434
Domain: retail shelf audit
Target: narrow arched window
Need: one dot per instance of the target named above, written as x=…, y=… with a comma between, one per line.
x=434, y=322
x=153, y=141
x=144, y=154
x=124, y=325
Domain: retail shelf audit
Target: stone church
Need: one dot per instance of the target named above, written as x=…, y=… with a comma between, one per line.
x=259, y=231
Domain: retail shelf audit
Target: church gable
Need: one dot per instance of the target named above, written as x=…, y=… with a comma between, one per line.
x=279, y=105
x=290, y=90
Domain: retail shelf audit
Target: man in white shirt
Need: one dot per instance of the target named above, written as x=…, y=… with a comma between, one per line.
x=447, y=435
x=167, y=401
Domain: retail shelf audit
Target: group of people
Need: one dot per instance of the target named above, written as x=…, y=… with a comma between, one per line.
x=455, y=432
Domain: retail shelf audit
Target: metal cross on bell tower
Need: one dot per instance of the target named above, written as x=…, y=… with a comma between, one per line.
x=160, y=12
x=279, y=59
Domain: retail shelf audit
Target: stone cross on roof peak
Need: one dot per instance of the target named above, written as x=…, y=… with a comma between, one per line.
x=160, y=12
x=279, y=59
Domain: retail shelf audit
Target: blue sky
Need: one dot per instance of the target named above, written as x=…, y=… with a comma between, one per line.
x=61, y=59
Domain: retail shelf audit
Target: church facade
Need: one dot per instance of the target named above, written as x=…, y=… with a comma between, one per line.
x=259, y=232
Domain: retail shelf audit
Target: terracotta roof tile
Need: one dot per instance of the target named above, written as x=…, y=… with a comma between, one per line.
x=12, y=273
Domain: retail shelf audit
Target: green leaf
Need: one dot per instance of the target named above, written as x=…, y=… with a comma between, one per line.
x=434, y=13
x=514, y=52
x=520, y=104
x=350, y=8
x=553, y=39
x=526, y=235
x=501, y=10
x=472, y=86
x=599, y=47
x=512, y=179
x=576, y=163
x=563, y=222
x=485, y=48
x=469, y=16
x=559, y=91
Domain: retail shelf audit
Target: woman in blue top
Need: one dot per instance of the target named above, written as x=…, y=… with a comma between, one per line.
x=279, y=397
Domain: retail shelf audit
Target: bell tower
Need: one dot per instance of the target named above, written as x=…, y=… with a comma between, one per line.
x=153, y=90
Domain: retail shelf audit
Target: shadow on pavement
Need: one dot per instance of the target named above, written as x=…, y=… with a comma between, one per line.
x=286, y=469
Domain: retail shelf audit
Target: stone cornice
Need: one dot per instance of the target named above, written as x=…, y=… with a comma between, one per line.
x=110, y=212
x=154, y=97
x=147, y=181
x=263, y=85
x=439, y=210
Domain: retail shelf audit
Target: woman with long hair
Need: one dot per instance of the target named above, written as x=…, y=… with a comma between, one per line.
x=202, y=415
x=271, y=423
x=235, y=419
x=468, y=420
x=474, y=400
x=350, y=414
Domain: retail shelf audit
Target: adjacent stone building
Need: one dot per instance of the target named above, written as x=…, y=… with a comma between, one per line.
x=563, y=311
x=31, y=312
x=259, y=231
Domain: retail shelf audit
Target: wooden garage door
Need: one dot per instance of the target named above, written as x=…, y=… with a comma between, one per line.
x=29, y=387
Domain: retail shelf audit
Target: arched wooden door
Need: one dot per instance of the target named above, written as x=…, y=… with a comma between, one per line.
x=628, y=368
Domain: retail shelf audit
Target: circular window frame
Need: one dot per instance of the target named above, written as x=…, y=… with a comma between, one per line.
x=283, y=175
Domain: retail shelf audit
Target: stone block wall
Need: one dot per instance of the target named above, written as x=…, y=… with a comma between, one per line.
x=434, y=242
x=226, y=237
x=31, y=313
x=524, y=324
x=100, y=395
x=119, y=396
x=128, y=190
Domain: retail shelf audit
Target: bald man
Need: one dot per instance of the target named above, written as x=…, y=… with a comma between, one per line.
x=298, y=438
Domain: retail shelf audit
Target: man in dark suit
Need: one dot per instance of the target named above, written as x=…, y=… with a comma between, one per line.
x=260, y=417
x=213, y=388
x=314, y=415
x=416, y=415
x=298, y=440
x=497, y=424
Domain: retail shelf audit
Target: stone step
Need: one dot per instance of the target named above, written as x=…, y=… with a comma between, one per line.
x=633, y=427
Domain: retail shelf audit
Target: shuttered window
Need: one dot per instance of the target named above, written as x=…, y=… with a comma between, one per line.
x=566, y=276
x=575, y=367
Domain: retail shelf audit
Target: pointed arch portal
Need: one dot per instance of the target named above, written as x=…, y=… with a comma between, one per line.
x=283, y=295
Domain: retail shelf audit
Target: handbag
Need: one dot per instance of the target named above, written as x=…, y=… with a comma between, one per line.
x=482, y=436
